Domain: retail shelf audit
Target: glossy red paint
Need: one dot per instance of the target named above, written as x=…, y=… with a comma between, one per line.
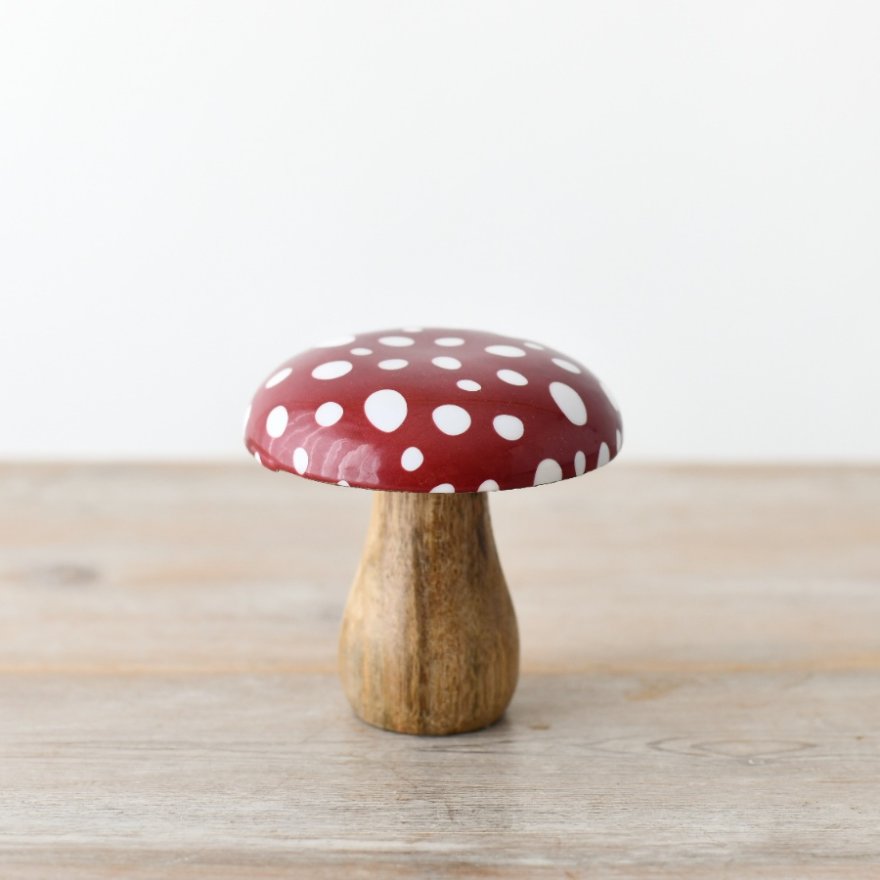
x=466, y=411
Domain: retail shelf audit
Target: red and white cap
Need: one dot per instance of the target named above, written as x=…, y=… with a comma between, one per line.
x=433, y=410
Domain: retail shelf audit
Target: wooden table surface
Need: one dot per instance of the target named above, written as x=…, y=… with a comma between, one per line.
x=700, y=688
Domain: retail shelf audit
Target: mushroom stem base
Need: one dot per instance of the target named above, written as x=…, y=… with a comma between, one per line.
x=429, y=641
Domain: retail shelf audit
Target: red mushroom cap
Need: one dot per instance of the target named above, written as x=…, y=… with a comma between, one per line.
x=433, y=410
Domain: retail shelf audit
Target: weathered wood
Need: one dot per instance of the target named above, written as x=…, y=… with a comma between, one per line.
x=699, y=693
x=429, y=643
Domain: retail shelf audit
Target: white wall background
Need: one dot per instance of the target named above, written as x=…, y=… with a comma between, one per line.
x=685, y=195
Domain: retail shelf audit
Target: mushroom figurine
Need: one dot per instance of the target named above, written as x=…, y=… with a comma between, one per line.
x=432, y=419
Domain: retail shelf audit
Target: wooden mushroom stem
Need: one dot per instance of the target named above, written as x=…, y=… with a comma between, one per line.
x=429, y=642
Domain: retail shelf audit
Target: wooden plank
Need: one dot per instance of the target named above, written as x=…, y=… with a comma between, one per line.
x=700, y=692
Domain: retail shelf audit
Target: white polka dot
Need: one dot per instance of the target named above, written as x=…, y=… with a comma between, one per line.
x=332, y=370
x=257, y=458
x=412, y=329
x=342, y=483
x=412, y=459
x=570, y=402
x=449, y=341
x=360, y=352
x=451, y=419
x=566, y=365
x=468, y=385
x=393, y=364
x=508, y=427
x=300, y=460
x=280, y=376
x=580, y=462
x=512, y=377
x=446, y=363
x=386, y=409
x=397, y=341
x=444, y=487
x=276, y=422
x=534, y=345
x=507, y=351
x=619, y=440
x=604, y=455
x=548, y=471
x=488, y=486
x=333, y=343
x=328, y=414
x=247, y=415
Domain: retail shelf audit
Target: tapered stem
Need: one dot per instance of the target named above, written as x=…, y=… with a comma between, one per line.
x=429, y=641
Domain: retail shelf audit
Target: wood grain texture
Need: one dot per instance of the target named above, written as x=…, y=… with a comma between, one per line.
x=429, y=643
x=700, y=690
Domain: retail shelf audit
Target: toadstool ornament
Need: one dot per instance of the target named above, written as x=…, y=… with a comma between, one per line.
x=433, y=419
